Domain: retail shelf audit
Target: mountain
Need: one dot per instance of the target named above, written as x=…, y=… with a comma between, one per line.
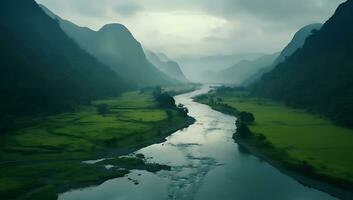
x=296, y=43
x=195, y=68
x=115, y=46
x=318, y=76
x=239, y=72
x=166, y=65
x=42, y=70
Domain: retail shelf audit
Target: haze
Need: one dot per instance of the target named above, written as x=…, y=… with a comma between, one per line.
x=201, y=27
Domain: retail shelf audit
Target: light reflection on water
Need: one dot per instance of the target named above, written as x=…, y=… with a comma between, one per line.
x=206, y=165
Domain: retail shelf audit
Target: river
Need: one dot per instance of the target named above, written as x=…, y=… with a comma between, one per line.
x=206, y=165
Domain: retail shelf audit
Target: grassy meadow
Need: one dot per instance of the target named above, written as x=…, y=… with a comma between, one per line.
x=46, y=158
x=297, y=136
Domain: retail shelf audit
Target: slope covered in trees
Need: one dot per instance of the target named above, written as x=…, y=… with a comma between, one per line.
x=319, y=75
x=42, y=70
x=115, y=46
x=296, y=43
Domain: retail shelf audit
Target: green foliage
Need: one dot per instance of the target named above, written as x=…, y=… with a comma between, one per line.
x=318, y=77
x=40, y=159
x=183, y=110
x=124, y=54
x=293, y=136
x=243, y=130
x=164, y=99
x=246, y=117
x=42, y=69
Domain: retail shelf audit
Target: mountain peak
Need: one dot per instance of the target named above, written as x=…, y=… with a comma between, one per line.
x=114, y=27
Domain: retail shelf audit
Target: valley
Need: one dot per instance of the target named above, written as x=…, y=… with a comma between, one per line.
x=56, y=146
x=189, y=100
x=292, y=138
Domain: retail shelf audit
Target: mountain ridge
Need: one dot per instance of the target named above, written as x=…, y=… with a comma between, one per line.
x=42, y=69
x=166, y=65
x=318, y=76
x=114, y=45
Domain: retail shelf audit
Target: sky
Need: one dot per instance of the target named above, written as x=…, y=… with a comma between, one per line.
x=197, y=28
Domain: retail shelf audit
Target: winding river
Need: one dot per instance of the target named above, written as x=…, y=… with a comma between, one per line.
x=206, y=165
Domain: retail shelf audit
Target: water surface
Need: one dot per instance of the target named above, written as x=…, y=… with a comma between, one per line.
x=206, y=165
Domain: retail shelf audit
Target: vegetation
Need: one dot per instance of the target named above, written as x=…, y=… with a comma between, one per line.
x=124, y=54
x=42, y=69
x=46, y=158
x=294, y=138
x=181, y=89
x=318, y=77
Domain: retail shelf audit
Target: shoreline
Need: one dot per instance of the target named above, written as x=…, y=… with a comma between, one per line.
x=306, y=180
x=156, y=140
x=125, y=152
x=303, y=179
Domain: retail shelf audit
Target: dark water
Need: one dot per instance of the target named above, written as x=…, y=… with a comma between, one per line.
x=206, y=164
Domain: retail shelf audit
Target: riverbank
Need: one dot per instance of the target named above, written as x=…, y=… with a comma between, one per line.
x=45, y=159
x=312, y=150
x=303, y=179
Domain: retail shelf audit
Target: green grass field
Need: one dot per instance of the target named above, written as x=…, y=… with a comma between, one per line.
x=48, y=155
x=302, y=136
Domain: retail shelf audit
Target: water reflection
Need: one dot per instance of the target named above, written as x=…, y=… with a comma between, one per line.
x=206, y=165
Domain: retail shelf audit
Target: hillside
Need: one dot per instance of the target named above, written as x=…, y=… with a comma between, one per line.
x=318, y=76
x=115, y=46
x=196, y=67
x=42, y=70
x=296, y=43
x=166, y=65
x=239, y=72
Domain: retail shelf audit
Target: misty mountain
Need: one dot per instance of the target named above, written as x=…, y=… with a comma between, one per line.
x=166, y=65
x=195, y=68
x=241, y=71
x=114, y=45
x=318, y=76
x=43, y=70
x=296, y=43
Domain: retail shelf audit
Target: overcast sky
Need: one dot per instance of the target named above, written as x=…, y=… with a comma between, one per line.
x=201, y=27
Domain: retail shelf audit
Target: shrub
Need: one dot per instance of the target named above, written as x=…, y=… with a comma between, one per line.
x=246, y=117
x=243, y=130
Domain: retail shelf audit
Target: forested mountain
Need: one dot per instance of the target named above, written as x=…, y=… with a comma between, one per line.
x=319, y=76
x=166, y=65
x=239, y=72
x=43, y=70
x=296, y=43
x=116, y=47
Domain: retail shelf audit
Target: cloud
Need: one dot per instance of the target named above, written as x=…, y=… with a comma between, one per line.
x=201, y=27
x=127, y=8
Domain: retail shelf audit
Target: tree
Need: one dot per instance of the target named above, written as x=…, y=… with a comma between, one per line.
x=243, y=130
x=246, y=117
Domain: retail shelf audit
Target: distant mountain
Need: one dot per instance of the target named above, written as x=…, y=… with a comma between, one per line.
x=115, y=46
x=43, y=70
x=318, y=76
x=241, y=71
x=195, y=68
x=296, y=43
x=166, y=65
